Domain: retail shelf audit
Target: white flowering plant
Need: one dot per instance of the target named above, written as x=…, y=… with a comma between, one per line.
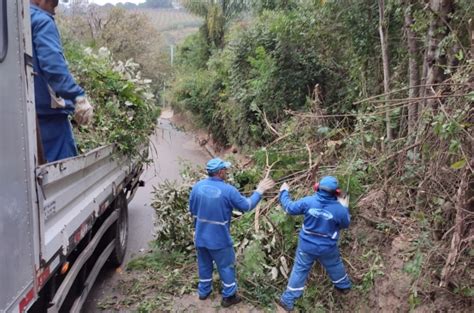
x=125, y=110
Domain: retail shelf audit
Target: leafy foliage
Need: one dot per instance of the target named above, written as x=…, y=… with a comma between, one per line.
x=174, y=224
x=126, y=34
x=124, y=107
x=131, y=35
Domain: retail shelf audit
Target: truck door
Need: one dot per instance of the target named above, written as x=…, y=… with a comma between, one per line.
x=19, y=243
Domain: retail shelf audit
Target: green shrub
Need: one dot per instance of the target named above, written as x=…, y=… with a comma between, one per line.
x=173, y=224
x=193, y=53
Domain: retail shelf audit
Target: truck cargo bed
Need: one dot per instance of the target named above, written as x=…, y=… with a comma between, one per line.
x=74, y=192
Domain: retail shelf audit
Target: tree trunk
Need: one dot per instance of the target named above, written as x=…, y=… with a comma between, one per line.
x=435, y=58
x=385, y=61
x=413, y=70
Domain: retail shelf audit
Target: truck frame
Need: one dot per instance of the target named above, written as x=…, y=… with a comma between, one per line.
x=59, y=222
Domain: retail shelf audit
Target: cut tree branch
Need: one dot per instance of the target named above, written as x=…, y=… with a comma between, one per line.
x=457, y=240
x=273, y=130
x=267, y=175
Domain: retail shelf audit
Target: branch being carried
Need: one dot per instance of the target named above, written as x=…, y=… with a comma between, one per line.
x=267, y=174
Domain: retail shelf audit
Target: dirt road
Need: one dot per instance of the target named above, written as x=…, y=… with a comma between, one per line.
x=169, y=147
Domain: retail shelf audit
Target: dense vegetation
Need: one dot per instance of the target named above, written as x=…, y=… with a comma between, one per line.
x=273, y=61
x=377, y=93
x=126, y=34
x=123, y=95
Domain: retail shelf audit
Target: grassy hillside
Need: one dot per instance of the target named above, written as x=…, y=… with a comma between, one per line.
x=174, y=25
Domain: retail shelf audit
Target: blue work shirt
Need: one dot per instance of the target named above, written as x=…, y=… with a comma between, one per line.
x=49, y=65
x=324, y=216
x=211, y=204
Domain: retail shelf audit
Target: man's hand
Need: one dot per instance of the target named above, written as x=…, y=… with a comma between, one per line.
x=344, y=200
x=84, y=111
x=264, y=185
x=284, y=186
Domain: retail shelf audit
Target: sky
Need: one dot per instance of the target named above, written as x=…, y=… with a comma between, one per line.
x=102, y=2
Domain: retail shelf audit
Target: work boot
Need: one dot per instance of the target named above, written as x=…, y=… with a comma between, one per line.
x=205, y=297
x=227, y=302
x=344, y=291
x=284, y=306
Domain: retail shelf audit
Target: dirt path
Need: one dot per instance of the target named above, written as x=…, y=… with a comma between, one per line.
x=190, y=303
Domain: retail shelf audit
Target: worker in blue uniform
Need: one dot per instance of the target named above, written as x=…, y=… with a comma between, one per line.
x=56, y=93
x=325, y=212
x=211, y=203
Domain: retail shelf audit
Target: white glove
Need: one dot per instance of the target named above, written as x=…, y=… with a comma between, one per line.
x=264, y=185
x=84, y=111
x=285, y=186
x=344, y=200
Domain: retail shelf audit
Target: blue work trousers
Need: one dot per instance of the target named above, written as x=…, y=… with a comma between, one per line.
x=225, y=262
x=57, y=137
x=332, y=262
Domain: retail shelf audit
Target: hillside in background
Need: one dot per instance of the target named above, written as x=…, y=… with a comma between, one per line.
x=143, y=34
x=174, y=25
x=151, y=4
x=171, y=20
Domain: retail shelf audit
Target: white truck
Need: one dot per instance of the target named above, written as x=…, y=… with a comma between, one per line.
x=59, y=222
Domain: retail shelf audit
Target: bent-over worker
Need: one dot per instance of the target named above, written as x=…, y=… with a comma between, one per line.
x=324, y=216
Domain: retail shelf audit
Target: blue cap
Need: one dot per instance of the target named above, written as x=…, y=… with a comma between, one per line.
x=328, y=183
x=216, y=164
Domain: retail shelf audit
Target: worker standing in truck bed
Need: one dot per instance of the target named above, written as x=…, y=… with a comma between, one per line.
x=57, y=95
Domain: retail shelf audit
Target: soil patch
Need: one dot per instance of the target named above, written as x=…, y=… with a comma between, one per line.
x=190, y=303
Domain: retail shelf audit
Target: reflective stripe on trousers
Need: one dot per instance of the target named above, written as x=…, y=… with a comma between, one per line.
x=331, y=261
x=224, y=259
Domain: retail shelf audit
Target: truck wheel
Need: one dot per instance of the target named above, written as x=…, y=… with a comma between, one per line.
x=120, y=231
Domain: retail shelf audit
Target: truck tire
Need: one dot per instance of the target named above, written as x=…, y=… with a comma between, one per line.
x=120, y=231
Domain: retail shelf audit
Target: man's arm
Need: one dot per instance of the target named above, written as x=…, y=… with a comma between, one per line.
x=242, y=203
x=292, y=207
x=345, y=218
x=49, y=52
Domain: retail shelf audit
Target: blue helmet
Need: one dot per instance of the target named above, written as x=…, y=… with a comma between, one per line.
x=329, y=184
x=216, y=165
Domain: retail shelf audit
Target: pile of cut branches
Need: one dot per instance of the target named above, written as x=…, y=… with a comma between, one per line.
x=125, y=111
